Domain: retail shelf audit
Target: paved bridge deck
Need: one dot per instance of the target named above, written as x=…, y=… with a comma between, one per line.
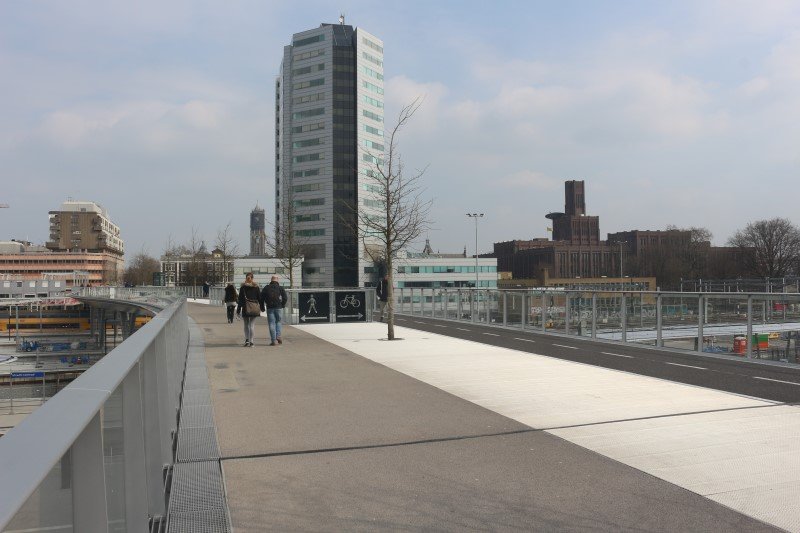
x=337, y=430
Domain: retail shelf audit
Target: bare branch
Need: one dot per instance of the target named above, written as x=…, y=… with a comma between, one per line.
x=397, y=214
x=229, y=249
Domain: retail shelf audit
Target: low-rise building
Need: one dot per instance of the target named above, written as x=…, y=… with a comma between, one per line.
x=30, y=263
x=581, y=284
x=431, y=270
x=179, y=270
x=263, y=268
x=47, y=286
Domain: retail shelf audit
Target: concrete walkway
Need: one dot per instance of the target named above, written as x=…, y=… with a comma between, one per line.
x=315, y=437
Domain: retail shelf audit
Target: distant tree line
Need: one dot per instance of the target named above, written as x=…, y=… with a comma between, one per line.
x=764, y=248
x=202, y=265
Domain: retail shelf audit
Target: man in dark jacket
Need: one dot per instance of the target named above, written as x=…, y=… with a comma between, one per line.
x=274, y=297
x=382, y=292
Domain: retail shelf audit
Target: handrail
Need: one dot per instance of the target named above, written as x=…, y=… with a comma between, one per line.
x=712, y=322
x=31, y=450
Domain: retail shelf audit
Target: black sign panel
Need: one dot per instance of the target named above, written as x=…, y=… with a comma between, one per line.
x=314, y=307
x=351, y=306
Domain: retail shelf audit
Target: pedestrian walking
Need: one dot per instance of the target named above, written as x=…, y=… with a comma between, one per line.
x=274, y=297
x=230, y=301
x=250, y=305
x=382, y=292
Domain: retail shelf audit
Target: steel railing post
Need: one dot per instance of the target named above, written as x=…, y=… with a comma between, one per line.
x=700, y=315
x=473, y=304
x=623, y=317
x=566, y=313
x=154, y=453
x=89, y=505
x=749, y=326
x=504, y=295
x=523, y=309
x=659, y=324
x=594, y=315
x=459, y=309
x=544, y=311
x=134, y=450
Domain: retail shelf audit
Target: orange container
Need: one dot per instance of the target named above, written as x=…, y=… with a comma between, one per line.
x=740, y=345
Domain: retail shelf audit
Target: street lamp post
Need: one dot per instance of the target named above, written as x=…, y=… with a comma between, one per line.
x=476, y=216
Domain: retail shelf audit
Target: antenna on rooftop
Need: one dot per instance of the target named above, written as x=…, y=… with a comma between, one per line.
x=341, y=18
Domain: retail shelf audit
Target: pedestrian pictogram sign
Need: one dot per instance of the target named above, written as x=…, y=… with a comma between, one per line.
x=314, y=307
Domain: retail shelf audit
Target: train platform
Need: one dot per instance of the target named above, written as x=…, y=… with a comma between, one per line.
x=337, y=429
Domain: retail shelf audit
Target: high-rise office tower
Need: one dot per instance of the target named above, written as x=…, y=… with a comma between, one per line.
x=329, y=136
x=258, y=238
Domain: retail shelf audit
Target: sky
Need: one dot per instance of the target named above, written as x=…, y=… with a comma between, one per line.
x=681, y=113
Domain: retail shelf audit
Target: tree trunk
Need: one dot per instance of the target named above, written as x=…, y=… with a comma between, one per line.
x=390, y=301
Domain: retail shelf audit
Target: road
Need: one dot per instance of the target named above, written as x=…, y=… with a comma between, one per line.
x=769, y=381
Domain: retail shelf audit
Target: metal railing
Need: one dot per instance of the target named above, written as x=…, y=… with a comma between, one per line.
x=98, y=455
x=753, y=325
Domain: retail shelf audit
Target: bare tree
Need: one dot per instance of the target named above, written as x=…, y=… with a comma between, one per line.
x=290, y=248
x=141, y=269
x=403, y=212
x=170, y=248
x=229, y=248
x=197, y=270
x=771, y=248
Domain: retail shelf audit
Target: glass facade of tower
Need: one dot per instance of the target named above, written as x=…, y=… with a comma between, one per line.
x=329, y=124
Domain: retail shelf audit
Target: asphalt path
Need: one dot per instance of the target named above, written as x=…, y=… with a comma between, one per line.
x=770, y=381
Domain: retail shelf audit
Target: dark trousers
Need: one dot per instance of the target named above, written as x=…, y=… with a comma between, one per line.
x=231, y=309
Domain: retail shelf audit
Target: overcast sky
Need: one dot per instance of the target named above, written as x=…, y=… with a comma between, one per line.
x=684, y=113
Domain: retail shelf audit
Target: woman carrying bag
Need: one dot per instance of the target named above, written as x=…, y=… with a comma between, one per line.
x=250, y=306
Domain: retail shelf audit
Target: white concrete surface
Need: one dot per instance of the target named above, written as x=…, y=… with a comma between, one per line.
x=742, y=452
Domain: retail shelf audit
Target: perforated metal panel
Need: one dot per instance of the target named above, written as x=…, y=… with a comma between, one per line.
x=197, y=494
x=212, y=521
x=196, y=373
x=197, y=416
x=197, y=444
x=197, y=486
x=196, y=384
x=196, y=397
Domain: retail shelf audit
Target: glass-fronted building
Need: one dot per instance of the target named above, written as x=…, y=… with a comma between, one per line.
x=329, y=135
x=429, y=271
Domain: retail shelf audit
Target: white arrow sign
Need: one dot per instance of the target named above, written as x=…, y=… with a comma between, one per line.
x=359, y=316
x=304, y=318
